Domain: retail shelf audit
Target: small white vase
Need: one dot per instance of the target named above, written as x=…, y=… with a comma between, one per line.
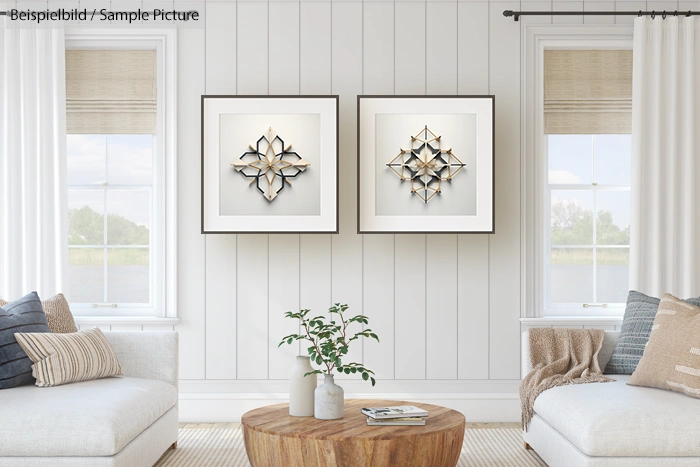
x=329, y=401
x=301, y=389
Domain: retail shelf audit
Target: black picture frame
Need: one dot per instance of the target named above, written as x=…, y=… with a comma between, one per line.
x=204, y=98
x=360, y=99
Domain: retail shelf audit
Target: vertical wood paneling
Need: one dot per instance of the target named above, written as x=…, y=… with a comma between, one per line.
x=221, y=249
x=378, y=259
x=284, y=47
x=441, y=249
x=473, y=307
x=221, y=48
x=378, y=286
x=567, y=6
x=252, y=39
x=441, y=309
x=409, y=249
x=441, y=47
x=409, y=60
x=283, y=296
x=378, y=48
x=283, y=262
x=253, y=253
x=473, y=250
x=347, y=83
x=191, y=255
x=315, y=65
x=252, y=304
x=504, y=250
x=315, y=47
x=473, y=62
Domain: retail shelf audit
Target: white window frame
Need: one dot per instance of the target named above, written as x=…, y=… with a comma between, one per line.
x=534, y=175
x=164, y=233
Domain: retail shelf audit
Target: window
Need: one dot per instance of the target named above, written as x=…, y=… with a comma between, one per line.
x=588, y=192
x=577, y=250
x=120, y=173
x=110, y=219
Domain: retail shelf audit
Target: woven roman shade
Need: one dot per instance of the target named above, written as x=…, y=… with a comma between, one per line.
x=587, y=91
x=111, y=91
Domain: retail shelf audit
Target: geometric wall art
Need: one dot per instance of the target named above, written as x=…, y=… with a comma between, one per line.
x=426, y=165
x=286, y=180
x=439, y=179
x=270, y=164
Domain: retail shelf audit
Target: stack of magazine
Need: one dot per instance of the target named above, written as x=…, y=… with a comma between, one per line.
x=403, y=415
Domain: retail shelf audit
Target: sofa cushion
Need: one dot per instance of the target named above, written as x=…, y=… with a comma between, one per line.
x=617, y=420
x=90, y=418
x=22, y=315
x=636, y=326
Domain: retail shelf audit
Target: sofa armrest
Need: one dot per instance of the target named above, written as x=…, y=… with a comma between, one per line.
x=149, y=355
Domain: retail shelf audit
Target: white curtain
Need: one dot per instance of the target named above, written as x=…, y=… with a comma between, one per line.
x=33, y=205
x=665, y=229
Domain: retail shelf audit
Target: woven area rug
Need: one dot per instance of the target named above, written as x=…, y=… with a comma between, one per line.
x=219, y=447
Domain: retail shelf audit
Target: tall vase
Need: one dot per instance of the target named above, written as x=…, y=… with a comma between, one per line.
x=301, y=389
x=329, y=400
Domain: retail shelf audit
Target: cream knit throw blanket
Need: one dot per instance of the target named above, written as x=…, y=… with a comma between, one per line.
x=560, y=357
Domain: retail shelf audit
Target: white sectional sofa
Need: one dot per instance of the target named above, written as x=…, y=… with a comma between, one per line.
x=127, y=421
x=612, y=424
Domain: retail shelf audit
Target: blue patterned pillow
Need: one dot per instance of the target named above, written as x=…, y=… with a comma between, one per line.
x=23, y=315
x=634, y=335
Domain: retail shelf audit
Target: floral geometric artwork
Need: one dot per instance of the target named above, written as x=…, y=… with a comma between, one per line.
x=426, y=165
x=270, y=164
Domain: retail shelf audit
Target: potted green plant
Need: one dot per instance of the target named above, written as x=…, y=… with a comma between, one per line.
x=330, y=341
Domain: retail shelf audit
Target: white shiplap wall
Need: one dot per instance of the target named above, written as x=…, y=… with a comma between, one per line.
x=447, y=307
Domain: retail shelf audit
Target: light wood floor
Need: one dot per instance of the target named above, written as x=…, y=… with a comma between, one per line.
x=204, y=426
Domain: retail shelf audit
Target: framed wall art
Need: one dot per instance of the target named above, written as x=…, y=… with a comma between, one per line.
x=425, y=164
x=269, y=164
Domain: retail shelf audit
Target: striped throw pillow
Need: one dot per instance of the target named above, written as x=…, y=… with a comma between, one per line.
x=671, y=359
x=58, y=313
x=23, y=315
x=69, y=358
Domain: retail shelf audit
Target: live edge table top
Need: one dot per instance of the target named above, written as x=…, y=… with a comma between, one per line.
x=275, y=419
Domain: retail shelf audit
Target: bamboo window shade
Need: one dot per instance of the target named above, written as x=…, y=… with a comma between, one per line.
x=111, y=91
x=587, y=91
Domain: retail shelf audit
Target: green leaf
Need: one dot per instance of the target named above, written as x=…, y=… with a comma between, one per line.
x=365, y=376
x=290, y=340
x=354, y=370
x=373, y=381
x=337, y=361
x=319, y=360
x=347, y=370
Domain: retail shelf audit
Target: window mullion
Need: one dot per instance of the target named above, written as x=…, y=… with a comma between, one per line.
x=595, y=223
x=106, y=187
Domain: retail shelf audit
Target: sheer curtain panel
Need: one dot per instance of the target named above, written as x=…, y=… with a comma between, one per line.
x=665, y=228
x=33, y=205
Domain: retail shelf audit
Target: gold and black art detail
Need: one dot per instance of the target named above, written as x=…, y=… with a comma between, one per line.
x=426, y=165
x=270, y=164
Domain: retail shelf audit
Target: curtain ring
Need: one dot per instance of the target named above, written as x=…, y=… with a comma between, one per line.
x=675, y=13
x=653, y=14
x=688, y=15
x=663, y=16
x=640, y=14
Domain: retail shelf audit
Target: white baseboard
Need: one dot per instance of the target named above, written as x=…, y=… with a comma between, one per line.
x=229, y=407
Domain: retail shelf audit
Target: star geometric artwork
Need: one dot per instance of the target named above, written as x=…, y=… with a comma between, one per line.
x=270, y=164
x=426, y=165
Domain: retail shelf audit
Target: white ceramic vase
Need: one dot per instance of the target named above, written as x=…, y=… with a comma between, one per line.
x=329, y=401
x=301, y=389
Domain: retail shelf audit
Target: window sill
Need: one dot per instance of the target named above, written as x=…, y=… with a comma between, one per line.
x=572, y=321
x=140, y=321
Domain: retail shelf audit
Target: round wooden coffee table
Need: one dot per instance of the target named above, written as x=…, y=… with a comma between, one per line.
x=273, y=438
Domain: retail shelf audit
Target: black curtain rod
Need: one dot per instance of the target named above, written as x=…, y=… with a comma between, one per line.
x=517, y=14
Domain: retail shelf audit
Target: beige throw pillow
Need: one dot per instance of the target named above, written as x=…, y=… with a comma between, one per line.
x=68, y=358
x=57, y=312
x=671, y=359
